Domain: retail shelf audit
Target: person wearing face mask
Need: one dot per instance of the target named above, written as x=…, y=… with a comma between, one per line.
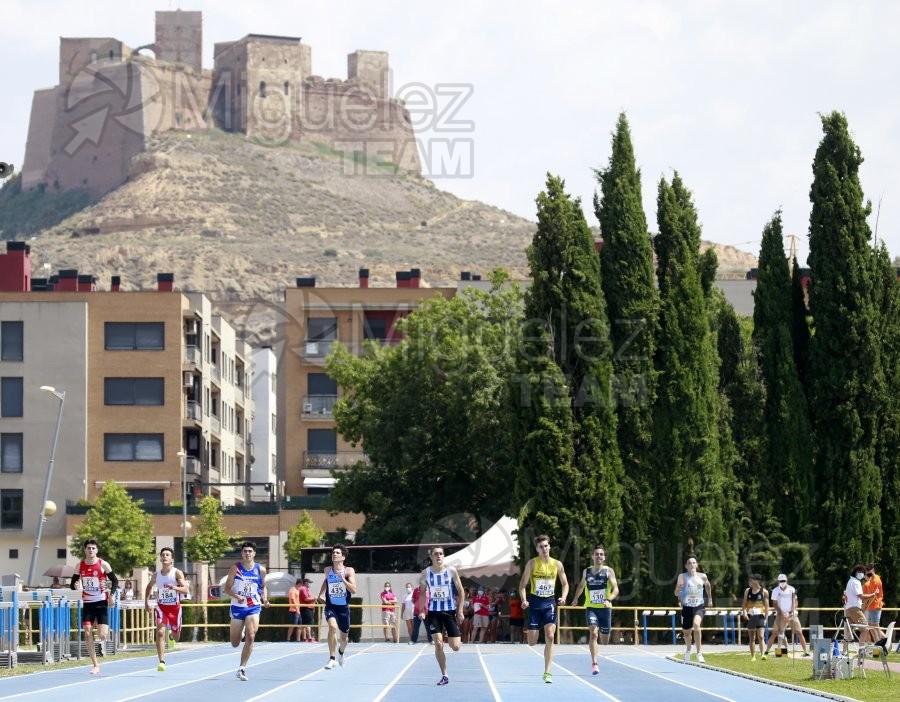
x=480, y=603
x=872, y=586
x=784, y=599
x=854, y=597
x=407, y=609
x=388, y=612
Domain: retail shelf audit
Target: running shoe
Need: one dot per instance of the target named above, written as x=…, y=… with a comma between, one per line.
x=242, y=674
x=700, y=658
x=161, y=667
x=340, y=658
x=548, y=678
x=330, y=664
x=444, y=680
x=595, y=670
x=687, y=656
x=764, y=657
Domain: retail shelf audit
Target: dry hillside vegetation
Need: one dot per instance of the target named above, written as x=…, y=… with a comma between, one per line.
x=241, y=221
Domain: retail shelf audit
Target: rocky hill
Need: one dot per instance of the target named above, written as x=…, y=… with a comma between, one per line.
x=241, y=221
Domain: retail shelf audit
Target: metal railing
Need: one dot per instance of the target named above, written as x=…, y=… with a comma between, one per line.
x=317, y=406
x=314, y=460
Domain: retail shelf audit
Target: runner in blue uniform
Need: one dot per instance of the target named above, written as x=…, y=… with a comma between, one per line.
x=339, y=584
x=445, y=606
x=247, y=585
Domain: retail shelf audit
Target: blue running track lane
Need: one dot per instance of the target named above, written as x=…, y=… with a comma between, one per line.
x=287, y=672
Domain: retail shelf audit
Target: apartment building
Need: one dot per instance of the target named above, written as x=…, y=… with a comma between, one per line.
x=315, y=319
x=156, y=398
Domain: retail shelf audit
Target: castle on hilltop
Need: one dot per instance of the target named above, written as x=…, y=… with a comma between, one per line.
x=85, y=131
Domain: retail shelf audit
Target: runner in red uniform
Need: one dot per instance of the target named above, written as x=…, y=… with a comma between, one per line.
x=170, y=587
x=97, y=581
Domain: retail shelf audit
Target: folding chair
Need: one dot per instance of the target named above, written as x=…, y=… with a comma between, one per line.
x=868, y=650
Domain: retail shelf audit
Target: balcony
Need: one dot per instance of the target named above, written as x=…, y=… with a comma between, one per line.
x=192, y=411
x=317, y=406
x=314, y=460
x=215, y=374
x=192, y=355
x=215, y=426
x=316, y=350
x=239, y=443
x=192, y=466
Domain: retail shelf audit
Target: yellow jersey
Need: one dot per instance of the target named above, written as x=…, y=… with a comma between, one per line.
x=543, y=577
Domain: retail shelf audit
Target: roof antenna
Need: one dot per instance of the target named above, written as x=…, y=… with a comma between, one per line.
x=877, y=216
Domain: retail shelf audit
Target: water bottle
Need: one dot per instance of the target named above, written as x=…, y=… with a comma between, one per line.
x=836, y=651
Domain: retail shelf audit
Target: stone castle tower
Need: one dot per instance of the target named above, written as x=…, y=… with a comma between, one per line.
x=85, y=131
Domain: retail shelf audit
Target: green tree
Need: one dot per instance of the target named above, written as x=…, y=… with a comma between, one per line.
x=431, y=413
x=565, y=306
x=122, y=529
x=626, y=262
x=845, y=379
x=694, y=483
x=888, y=455
x=787, y=468
x=210, y=540
x=302, y=535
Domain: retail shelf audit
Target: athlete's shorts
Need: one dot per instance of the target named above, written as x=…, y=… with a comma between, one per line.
x=756, y=621
x=541, y=611
x=688, y=614
x=306, y=616
x=388, y=616
x=341, y=614
x=438, y=622
x=600, y=617
x=96, y=613
x=480, y=620
x=169, y=615
x=244, y=612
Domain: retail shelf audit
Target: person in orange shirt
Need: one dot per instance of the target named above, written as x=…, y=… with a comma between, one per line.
x=294, y=610
x=872, y=586
x=516, y=618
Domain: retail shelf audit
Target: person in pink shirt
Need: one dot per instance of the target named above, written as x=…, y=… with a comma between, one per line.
x=388, y=612
x=417, y=620
x=307, y=603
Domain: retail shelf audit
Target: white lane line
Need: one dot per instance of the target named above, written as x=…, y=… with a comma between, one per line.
x=612, y=659
x=398, y=676
x=487, y=674
x=577, y=677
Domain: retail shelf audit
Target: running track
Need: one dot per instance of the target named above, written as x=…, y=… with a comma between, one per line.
x=394, y=673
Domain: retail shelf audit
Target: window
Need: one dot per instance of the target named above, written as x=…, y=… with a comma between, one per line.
x=321, y=384
x=151, y=498
x=10, y=453
x=321, y=440
x=287, y=88
x=321, y=328
x=13, y=553
x=61, y=554
x=375, y=328
x=11, y=397
x=10, y=509
x=134, y=336
x=11, y=341
x=262, y=88
x=133, y=391
x=132, y=447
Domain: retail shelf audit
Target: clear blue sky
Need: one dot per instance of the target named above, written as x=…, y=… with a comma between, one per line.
x=726, y=93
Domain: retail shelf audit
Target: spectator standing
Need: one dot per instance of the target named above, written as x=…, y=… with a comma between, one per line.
x=784, y=599
x=388, y=612
x=294, y=610
x=516, y=618
x=418, y=622
x=307, y=613
x=407, y=610
x=481, y=605
x=872, y=586
x=755, y=609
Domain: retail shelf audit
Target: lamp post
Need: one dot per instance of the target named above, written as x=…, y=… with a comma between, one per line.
x=184, y=522
x=45, y=510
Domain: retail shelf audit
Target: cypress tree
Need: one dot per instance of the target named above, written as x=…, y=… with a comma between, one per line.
x=799, y=323
x=788, y=459
x=626, y=262
x=566, y=300
x=888, y=298
x=844, y=375
x=692, y=487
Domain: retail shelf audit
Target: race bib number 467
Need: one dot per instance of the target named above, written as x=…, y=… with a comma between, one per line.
x=543, y=588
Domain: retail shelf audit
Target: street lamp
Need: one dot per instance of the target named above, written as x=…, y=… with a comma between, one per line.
x=48, y=508
x=184, y=522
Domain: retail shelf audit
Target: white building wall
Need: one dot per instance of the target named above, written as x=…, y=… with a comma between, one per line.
x=264, y=407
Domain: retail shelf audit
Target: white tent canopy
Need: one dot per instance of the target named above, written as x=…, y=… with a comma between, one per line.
x=490, y=557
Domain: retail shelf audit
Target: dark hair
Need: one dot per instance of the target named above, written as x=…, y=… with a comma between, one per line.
x=248, y=544
x=601, y=547
x=870, y=567
x=90, y=542
x=858, y=567
x=166, y=548
x=541, y=537
x=341, y=548
x=756, y=576
x=299, y=581
x=689, y=557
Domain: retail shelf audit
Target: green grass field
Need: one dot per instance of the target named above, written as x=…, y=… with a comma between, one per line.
x=873, y=688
